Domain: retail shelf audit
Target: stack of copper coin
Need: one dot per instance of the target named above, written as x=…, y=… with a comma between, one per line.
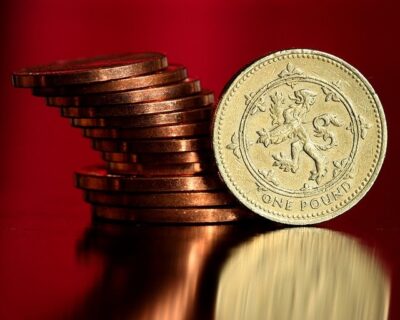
x=151, y=124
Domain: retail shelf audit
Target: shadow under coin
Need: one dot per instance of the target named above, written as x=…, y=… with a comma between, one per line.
x=302, y=273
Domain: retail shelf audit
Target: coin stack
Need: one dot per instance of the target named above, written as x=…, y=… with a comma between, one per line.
x=151, y=124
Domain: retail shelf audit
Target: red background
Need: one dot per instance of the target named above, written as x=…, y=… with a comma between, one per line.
x=214, y=39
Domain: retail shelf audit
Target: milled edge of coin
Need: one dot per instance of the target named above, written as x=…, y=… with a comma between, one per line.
x=158, y=158
x=152, y=146
x=203, y=98
x=97, y=178
x=173, y=215
x=145, y=121
x=148, y=170
x=33, y=76
x=186, y=87
x=181, y=199
x=235, y=82
x=186, y=130
x=169, y=75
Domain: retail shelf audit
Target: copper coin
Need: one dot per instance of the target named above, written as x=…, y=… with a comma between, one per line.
x=173, y=215
x=89, y=70
x=150, y=146
x=147, y=120
x=97, y=178
x=204, y=98
x=170, y=131
x=161, y=200
x=169, y=75
x=151, y=169
x=171, y=91
x=158, y=158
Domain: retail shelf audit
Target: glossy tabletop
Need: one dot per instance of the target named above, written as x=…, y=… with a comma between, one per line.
x=62, y=265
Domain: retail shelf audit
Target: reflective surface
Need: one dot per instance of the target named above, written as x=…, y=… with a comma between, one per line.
x=302, y=274
x=77, y=269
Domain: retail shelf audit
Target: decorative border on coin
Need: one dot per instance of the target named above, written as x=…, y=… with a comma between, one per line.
x=267, y=179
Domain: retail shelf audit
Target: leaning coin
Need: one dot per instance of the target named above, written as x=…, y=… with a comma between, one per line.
x=97, y=178
x=204, y=98
x=147, y=120
x=162, y=200
x=158, y=158
x=173, y=215
x=149, y=146
x=169, y=75
x=170, y=131
x=151, y=169
x=89, y=70
x=299, y=136
x=180, y=89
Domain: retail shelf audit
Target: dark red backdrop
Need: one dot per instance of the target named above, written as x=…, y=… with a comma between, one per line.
x=39, y=149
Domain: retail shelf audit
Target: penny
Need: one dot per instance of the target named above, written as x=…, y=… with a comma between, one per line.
x=150, y=146
x=148, y=120
x=161, y=200
x=170, y=131
x=158, y=158
x=151, y=169
x=97, y=178
x=89, y=70
x=169, y=75
x=204, y=98
x=172, y=215
x=299, y=136
x=180, y=89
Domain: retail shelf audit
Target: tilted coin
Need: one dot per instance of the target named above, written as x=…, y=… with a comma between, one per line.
x=170, y=131
x=89, y=70
x=158, y=158
x=173, y=215
x=97, y=178
x=201, y=99
x=151, y=169
x=162, y=200
x=180, y=89
x=146, y=120
x=299, y=136
x=149, y=146
x=169, y=75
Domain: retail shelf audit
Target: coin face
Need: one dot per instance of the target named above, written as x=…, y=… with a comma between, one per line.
x=299, y=136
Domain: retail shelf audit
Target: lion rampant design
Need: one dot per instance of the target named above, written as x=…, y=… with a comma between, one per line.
x=288, y=123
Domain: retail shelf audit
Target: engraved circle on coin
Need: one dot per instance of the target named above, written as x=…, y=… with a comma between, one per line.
x=285, y=104
x=299, y=136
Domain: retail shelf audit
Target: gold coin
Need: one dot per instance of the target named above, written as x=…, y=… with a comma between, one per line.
x=299, y=136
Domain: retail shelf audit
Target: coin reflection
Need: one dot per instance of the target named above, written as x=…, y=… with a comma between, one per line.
x=155, y=272
x=302, y=273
